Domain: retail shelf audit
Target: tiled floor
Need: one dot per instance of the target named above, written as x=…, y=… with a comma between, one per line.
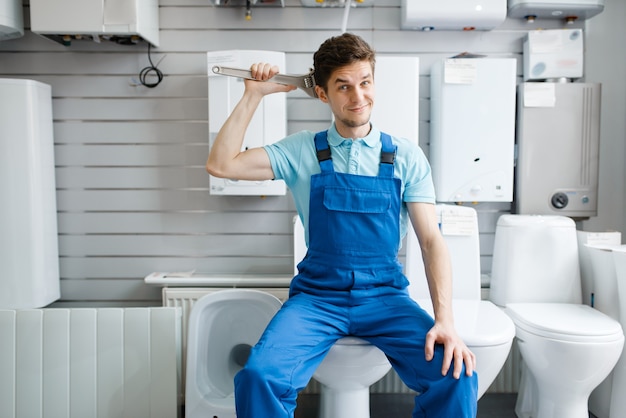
x=400, y=406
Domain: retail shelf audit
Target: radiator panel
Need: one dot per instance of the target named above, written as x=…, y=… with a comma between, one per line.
x=84, y=363
x=7, y=364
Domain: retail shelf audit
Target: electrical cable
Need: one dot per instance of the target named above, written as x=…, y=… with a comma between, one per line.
x=147, y=71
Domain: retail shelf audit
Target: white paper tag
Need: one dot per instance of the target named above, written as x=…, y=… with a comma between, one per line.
x=459, y=71
x=603, y=238
x=455, y=223
x=540, y=95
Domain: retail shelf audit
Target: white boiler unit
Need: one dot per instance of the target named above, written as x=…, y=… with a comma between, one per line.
x=396, y=109
x=29, y=253
x=11, y=19
x=472, y=129
x=119, y=20
x=569, y=10
x=558, y=145
x=553, y=54
x=268, y=125
x=452, y=14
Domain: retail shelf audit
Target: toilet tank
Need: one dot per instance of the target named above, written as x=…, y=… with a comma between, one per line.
x=459, y=227
x=535, y=259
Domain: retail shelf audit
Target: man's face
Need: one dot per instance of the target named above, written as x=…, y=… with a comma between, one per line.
x=350, y=94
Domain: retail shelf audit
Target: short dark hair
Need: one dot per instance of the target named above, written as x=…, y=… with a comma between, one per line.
x=337, y=52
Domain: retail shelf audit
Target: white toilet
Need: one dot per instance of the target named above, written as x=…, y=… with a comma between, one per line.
x=567, y=347
x=618, y=401
x=352, y=365
x=600, y=291
x=223, y=326
x=349, y=369
x=484, y=328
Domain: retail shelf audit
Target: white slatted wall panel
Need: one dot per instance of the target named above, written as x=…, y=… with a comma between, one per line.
x=132, y=191
x=88, y=363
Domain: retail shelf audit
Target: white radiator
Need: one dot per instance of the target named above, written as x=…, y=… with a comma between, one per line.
x=89, y=363
x=184, y=298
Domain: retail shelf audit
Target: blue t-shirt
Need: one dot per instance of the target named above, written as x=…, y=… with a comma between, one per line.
x=294, y=160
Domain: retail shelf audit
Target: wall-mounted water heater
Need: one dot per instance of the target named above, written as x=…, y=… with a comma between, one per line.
x=568, y=10
x=29, y=252
x=396, y=110
x=11, y=19
x=452, y=14
x=558, y=146
x=472, y=129
x=122, y=21
x=268, y=124
x=550, y=54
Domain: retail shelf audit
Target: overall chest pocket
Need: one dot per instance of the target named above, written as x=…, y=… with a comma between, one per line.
x=343, y=199
x=359, y=220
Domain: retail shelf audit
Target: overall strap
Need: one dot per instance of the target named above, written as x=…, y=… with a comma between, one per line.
x=387, y=156
x=323, y=152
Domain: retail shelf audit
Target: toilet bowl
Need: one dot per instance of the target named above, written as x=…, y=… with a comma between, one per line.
x=567, y=347
x=486, y=331
x=567, y=350
x=223, y=327
x=351, y=366
x=484, y=328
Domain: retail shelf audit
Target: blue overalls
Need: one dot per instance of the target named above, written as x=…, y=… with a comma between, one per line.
x=350, y=283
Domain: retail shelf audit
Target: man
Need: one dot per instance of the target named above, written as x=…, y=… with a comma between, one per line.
x=354, y=188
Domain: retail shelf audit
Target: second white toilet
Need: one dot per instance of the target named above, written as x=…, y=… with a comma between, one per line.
x=618, y=401
x=484, y=328
x=352, y=365
x=600, y=291
x=567, y=348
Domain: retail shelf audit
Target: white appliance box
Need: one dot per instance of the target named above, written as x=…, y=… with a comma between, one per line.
x=452, y=14
x=553, y=54
x=268, y=125
x=472, y=129
x=96, y=18
x=555, y=9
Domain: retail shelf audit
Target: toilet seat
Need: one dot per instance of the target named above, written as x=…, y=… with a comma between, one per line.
x=565, y=322
x=479, y=323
